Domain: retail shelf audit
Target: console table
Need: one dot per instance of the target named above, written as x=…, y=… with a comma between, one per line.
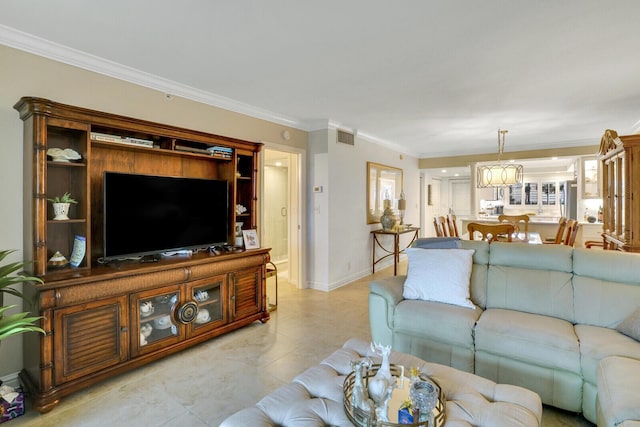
x=396, y=251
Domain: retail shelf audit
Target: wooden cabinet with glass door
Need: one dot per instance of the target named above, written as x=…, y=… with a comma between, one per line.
x=57, y=152
x=245, y=191
x=210, y=296
x=107, y=316
x=154, y=320
x=620, y=161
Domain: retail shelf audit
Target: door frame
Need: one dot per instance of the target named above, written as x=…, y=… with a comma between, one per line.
x=297, y=225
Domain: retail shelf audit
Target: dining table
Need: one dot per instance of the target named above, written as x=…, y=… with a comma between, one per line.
x=531, y=237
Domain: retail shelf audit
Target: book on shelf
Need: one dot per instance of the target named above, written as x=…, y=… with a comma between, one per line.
x=145, y=142
x=191, y=149
x=219, y=151
x=97, y=136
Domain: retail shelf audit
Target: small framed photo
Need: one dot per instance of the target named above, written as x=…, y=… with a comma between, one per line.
x=250, y=239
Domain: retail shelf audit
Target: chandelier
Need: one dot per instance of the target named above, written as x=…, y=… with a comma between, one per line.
x=500, y=174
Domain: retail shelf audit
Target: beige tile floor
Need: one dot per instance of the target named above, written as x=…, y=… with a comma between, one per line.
x=204, y=385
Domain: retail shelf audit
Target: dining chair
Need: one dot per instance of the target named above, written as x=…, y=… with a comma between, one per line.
x=517, y=221
x=491, y=232
x=452, y=225
x=562, y=224
x=440, y=225
x=594, y=244
x=571, y=233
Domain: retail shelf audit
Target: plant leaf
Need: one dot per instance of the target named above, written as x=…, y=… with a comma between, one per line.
x=17, y=323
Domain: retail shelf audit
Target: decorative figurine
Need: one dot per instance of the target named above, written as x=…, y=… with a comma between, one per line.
x=383, y=379
x=382, y=409
x=360, y=400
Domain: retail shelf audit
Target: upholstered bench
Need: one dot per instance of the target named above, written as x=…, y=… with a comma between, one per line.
x=315, y=398
x=618, y=392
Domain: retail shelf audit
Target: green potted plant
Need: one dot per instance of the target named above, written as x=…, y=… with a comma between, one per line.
x=12, y=324
x=61, y=206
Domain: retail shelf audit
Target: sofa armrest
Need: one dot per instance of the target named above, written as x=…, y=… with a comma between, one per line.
x=618, y=402
x=384, y=295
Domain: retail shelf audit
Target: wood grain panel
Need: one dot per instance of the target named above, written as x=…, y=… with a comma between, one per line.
x=246, y=292
x=89, y=338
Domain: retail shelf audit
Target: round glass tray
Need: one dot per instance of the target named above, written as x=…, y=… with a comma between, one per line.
x=399, y=395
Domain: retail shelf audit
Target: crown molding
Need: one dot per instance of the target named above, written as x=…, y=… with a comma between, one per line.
x=57, y=52
x=30, y=43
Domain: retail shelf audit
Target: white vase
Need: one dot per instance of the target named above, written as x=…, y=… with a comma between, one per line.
x=61, y=211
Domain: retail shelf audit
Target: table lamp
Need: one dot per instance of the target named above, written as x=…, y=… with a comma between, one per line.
x=402, y=207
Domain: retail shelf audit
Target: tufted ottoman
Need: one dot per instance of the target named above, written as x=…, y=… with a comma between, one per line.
x=314, y=398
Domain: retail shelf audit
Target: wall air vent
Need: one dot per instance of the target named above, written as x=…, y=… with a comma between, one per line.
x=345, y=137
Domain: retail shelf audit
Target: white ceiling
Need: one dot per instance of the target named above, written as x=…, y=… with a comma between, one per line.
x=431, y=78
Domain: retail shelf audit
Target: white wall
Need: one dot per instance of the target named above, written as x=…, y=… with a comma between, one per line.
x=318, y=210
x=338, y=216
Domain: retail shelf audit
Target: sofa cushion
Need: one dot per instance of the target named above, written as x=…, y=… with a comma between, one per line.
x=606, y=286
x=544, y=292
x=446, y=323
x=613, y=266
x=596, y=343
x=437, y=243
x=532, y=278
x=630, y=326
x=540, y=340
x=478, y=287
x=535, y=257
x=441, y=275
x=603, y=303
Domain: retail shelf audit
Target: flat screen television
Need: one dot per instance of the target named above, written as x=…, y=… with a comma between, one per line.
x=150, y=214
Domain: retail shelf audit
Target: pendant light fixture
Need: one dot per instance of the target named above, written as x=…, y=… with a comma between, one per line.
x=500, y=174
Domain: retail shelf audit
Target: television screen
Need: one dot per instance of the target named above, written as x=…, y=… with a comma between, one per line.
x=146, y=214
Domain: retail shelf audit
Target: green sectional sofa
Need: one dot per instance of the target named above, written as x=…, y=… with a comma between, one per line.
x=545, y=317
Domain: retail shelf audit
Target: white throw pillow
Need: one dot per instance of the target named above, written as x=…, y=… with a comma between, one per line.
x=441, y=275
x=631, y=325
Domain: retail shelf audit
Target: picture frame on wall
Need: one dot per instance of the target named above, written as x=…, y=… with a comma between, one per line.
x=383, y=183
x=250, y=239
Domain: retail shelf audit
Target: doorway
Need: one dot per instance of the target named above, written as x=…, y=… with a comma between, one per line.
x=282, y=213
x=460, y=201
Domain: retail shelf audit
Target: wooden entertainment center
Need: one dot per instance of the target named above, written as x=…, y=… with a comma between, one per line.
x=102, y=320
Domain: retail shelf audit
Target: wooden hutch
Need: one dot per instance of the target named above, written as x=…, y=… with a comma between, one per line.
x=101, y=320
x=620, y=157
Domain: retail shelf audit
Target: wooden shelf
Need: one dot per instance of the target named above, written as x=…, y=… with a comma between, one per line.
x=66, y=221
x=102, y=302
x=51, y=163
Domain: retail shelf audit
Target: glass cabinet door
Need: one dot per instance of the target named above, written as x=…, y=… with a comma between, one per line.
x=613, y=194
x=624, y=212
x=154, y=324
x=549, y=193
x=515, y=194
x=209, y=295
x=530, y=193
x=590, y=178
